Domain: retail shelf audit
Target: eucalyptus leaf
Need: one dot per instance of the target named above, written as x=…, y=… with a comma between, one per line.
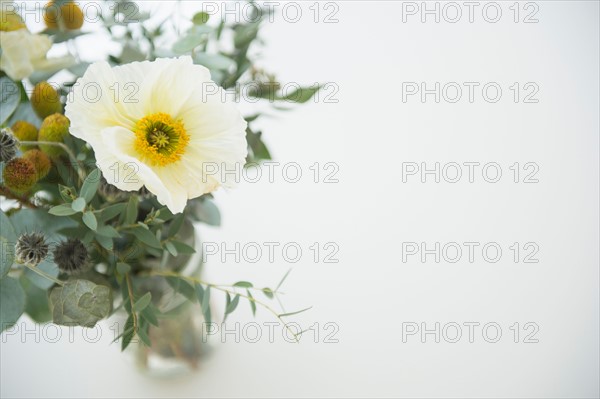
x=214, y=61
x=183, y=248
x=10, y=97
x=80, y=303
x=46, y=266
x=8, y=239
x=79, y=204
x=12, y=302
x=36, y=305
x=206, y=211
x=301, y=95
x=111, y=211
x=200, y=18
x=147, y=237
x=90, y=220
x=132, y=210
x=143, y=302
x=90, y=185
x=62, y=210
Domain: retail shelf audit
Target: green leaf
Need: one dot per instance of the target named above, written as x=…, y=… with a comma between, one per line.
x=143, y=302
x=206, y=211
x=108, y=231
x=147, y=237
x=111, y=211
x=176, y=224
x=245, y=34
x=106, y=242
x=258, y=147
x=123, y=268
x=8, y=239
x=268, y=292
x=301, y=95
x=214, y=61
x=195, y=37
x=252, y=303
x=294, y=313
x=128, y=333
x=143, y=335
x=182, y=287
x=63, y=210
x=205, y=302
x=132, y=210
x=171, y=248
x=232, y=304
x=36, y=305
x=90, y=220
x=200, y=18
x=80, y=303
x=78, y=205
x=149, y=313
x=243, y=284
x=199, y=292
x=46, y=266
x=90, y=185
x=183, y=248
x=10, y=97
x=12, y=302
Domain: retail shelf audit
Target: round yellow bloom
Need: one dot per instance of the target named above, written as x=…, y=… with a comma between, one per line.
x=45, y=100
x=54, y=128
x=19, y=175
x=25, y=131
x=169, y=136
x=9, y=21
x=69, y=14
x=40, y=162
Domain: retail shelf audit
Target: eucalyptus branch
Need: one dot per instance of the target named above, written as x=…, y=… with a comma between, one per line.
x=230, y=289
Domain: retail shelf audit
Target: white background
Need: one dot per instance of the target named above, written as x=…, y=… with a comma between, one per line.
x=370, y=132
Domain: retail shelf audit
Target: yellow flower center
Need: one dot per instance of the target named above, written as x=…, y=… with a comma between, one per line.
x=160, y=140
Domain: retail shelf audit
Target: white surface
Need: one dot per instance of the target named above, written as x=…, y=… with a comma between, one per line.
x=370, y=212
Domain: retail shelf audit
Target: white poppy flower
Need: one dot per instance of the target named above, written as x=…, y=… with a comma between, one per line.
x=24, y=53
x=163, y=132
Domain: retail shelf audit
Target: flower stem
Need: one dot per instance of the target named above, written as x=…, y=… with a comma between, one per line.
x=133, y=314
x=43, y=274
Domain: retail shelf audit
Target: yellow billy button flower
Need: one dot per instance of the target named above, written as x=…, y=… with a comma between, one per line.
x=45, y=100
x=69, y=14
x=178, y=137
x=40, y=162
x=19, y=175
x=25, y=131
x=54, y=128
x=10, y=21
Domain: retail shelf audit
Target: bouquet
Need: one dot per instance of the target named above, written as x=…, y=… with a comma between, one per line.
x=107, y=166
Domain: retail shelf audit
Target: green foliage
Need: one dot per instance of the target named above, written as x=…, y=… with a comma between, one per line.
x=8, y=238
x=137, y=248
x=10, y=98
x=12, y=302
x=80, y=303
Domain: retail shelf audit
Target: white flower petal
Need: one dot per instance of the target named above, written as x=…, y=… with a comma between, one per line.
x=177, y=88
